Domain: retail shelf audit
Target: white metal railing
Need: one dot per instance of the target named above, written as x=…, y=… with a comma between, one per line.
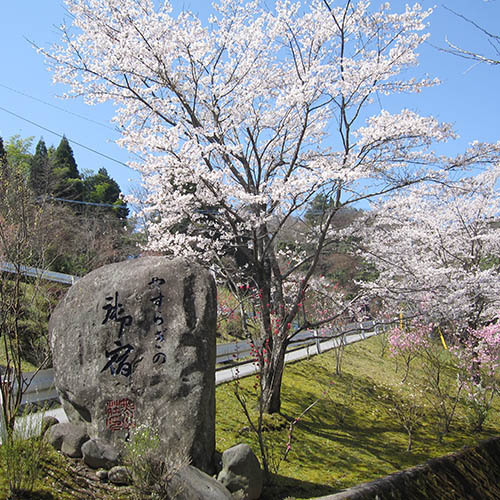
x=35, y=272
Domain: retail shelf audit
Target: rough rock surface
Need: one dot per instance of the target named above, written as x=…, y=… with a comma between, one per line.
x=48, y=421
x=100, y=454
x=119, y=475
x=193, y=484
x=102, y=475
x=241, y=473
x=134, y=343
x=68, y=438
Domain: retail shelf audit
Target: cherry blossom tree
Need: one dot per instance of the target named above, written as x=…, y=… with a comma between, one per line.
x=436, y=249
x=492, y=56
x=244, y=120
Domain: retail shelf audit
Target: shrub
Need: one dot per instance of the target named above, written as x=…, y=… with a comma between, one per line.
x=21, y=454
x=151, y=466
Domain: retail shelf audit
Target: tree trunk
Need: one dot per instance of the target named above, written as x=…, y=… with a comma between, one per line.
x=271, y=375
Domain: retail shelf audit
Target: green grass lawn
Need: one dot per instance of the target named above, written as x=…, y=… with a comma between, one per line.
x=26, y=365
x=349, y=436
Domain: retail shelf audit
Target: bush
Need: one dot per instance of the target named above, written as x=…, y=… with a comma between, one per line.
x=151, y=466
x=21, y=455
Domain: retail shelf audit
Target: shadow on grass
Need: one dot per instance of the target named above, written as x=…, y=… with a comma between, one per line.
x=283, y=487
x=357, y=433
x=350, y=435
x=32, y=495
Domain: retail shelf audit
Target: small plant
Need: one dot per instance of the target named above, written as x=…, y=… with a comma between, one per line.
x=478, y=360
x=272, y=455
x=407, y=343
x=383, y=339
x=21, y=454
x=256, y=424
x=441, y=390
x=408, y=410
x=151, y=466
x=477, y=404
x=341, y=410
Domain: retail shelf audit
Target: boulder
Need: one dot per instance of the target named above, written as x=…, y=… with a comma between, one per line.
x=68, y=438
x=48, y=421
x=134, y=343
x=55, y=436
x=119, y=475
x=241, y=473
x=191, y=483
x=100, y=454
x=102, y=475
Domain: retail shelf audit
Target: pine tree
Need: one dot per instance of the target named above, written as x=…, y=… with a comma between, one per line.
x=64, y=158
x=68, y=183
x=3, y=165
x=101, y=188
x=40, y=170
x=3, y=154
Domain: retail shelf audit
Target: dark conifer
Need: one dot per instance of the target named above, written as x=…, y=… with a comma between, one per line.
x=3, y=154
x=3, y=166
x=64, y=158
x=101, y=188
x=40, y=170
x=68, y=183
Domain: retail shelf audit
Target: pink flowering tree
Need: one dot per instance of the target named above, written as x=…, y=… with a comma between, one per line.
x=242, y=121
x=414, y=342
x=478, y=359
x=407, y=341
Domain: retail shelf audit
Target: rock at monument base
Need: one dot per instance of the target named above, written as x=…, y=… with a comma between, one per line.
x=241, y=473
x=67, y=438
x=119, y=475
x=102, y=475
x=48, y=421
x=100, y=454
x=191, y=483
x=134, y=343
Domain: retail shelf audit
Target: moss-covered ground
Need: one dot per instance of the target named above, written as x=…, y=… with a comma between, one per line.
x=350, y=436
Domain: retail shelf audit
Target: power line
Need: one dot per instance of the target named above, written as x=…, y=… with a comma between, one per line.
x=84, y=202
x=61, y=135
x=24, y=94
x=58, y=107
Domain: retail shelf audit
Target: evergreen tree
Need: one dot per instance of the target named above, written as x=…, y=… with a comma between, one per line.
x=68, y=183
x=40, y=170
x=3, y=164
x=3, y=155
x=101, y=188
x=64, y=158
x=319, y=209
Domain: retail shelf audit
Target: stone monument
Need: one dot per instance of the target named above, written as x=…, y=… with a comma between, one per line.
x=133, y=343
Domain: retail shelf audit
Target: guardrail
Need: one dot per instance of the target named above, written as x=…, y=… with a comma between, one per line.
x=228, y=356
x=35, y=272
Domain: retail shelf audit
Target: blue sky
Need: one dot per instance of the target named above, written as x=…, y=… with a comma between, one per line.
x=468, y=97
